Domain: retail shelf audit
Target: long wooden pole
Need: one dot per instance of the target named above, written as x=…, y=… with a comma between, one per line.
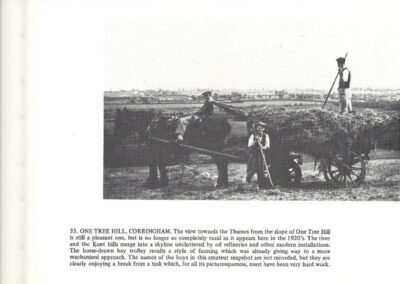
x=201, y=150
x=265, y=162
x=233, y=111
x=333, y=84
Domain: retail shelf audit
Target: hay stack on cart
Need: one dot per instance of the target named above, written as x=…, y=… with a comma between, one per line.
x=341, y=142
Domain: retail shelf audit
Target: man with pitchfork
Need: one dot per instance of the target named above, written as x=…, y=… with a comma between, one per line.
x=258, y=143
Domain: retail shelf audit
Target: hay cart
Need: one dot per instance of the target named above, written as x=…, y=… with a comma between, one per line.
x=343, y=164
x=346, y=167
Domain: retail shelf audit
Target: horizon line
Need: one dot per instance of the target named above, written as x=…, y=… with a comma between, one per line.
x=242, y=89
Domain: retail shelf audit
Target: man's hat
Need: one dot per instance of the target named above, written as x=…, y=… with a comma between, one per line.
x=261, y=124
x=206, y=94
x=340, y=60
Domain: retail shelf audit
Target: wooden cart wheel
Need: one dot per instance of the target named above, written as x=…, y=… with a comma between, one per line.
x=345, y=172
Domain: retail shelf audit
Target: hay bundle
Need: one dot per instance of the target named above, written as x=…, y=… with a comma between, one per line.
x=314, y=131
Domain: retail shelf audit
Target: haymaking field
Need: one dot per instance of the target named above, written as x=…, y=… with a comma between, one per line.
x=382, y=183
x=195, y=178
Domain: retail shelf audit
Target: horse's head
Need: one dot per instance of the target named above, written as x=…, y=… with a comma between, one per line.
x=132, y=123
x=162, y=126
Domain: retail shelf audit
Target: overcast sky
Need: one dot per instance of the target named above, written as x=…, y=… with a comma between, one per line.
x=292, y=45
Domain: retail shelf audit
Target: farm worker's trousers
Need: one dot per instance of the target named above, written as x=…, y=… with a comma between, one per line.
x=345, y=100
x=261, y=180
x=255, y=165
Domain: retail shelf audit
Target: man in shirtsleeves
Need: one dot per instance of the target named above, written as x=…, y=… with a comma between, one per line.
x=344, y=86
x=258, y=143
x=205, y=111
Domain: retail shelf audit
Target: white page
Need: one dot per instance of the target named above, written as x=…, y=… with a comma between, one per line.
x=66, y=80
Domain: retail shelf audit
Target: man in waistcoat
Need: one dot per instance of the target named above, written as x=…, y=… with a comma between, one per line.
x=258, y=144
x=344, y=86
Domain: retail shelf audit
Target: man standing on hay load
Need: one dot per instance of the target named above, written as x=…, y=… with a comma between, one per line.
x=344, y=86
x=258, y=143
x=205, y=111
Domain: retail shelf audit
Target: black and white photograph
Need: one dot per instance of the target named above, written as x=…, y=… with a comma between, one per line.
x=273, y=107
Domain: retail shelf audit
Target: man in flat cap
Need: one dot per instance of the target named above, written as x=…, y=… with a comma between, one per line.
x=256, y=164
x=206, y=110
x=344, y=86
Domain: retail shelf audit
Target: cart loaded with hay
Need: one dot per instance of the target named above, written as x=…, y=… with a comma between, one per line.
x=340, y=143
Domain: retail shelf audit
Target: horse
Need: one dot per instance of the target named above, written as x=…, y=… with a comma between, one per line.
x=209, y=133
